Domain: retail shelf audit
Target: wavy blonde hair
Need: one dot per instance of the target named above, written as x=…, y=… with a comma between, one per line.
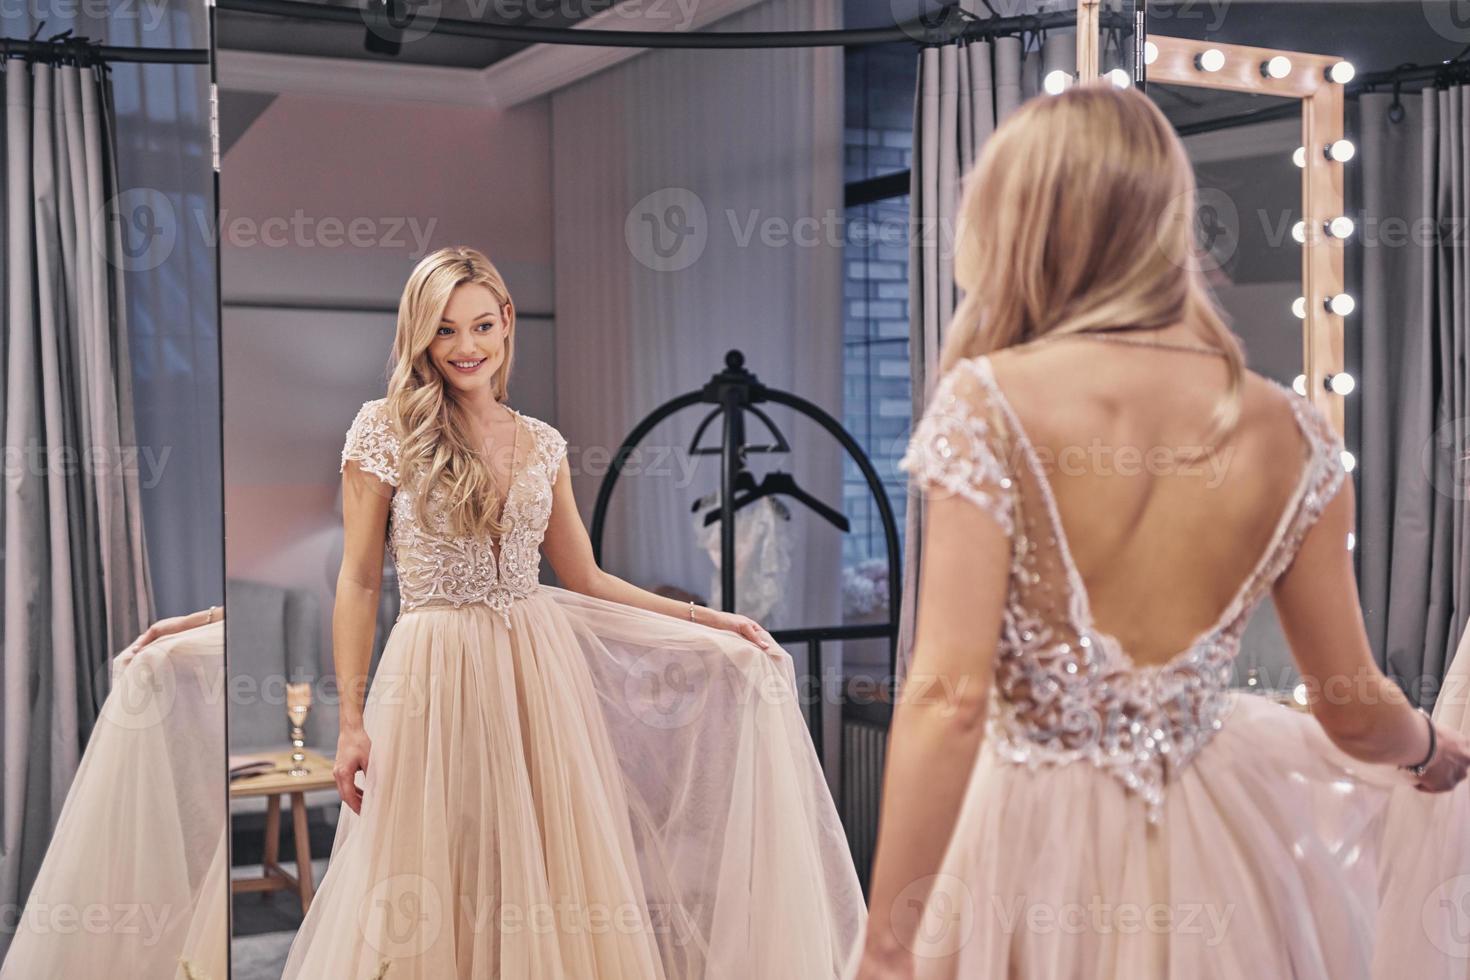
x=1079, y=215
x=433, y=427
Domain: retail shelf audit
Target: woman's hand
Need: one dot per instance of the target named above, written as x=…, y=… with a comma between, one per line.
x=165, y=627
x=739, y=625
x=1450, y=763
x=881, y=965
x=353, y=748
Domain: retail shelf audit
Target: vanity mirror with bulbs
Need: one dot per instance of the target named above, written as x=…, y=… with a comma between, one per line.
x=1332, y=188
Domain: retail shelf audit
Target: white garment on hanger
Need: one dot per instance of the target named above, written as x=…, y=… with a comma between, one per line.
x=762, y=556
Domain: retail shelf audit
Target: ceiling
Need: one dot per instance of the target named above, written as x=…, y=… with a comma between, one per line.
x=329, y=39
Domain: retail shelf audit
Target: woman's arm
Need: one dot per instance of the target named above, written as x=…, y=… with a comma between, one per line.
x=365, y=501
x=1361, y=710
x=939, y=720
x=569, y=550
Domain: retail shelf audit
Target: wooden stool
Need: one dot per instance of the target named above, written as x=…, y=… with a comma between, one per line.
x=273, y=785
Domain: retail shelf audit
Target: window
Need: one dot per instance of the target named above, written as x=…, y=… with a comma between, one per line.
x=877, y=409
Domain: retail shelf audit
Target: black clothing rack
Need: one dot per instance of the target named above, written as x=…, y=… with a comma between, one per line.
x=737, y=391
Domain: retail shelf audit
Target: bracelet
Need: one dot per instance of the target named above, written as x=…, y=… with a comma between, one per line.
x=691, y=610
x=209, y=616
x=1419, y=769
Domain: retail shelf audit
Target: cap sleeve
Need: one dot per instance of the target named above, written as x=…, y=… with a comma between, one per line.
x=370, y=441
x=1327, y=469
x=958, y=447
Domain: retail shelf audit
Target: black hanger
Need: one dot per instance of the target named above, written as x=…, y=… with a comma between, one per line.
x=743, y=481
x=783, y=483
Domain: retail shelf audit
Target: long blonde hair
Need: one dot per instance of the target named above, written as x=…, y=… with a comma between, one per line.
x=433, y=427
x=1079, y=215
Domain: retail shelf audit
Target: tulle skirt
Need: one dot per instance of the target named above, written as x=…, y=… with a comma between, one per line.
x=1277, y=855
x=135, y=882
x=593, y=791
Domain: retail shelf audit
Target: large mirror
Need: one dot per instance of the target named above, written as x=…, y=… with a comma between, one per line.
x=1350, y=323
x=113, y=831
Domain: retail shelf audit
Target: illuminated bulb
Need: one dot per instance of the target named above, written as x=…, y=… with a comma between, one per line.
x=1348, y=461
x=1342, y=151
x=1299, y=307
x=1342, y=304
x=1342, y=72
x=1352, y=541
x=1210, y=59
x=1150, y=52
x=1057, y=82
x=1341, y=383
x=1277, y=67
x=1299, y=385
x=1120, y=78
x=1299, y=694
x=1299, y=232
x=1299, y=156
x=1340, y=227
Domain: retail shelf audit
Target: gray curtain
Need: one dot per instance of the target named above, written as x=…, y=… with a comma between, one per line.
x=1414, y=565
x=71, y=539
x=964, y=91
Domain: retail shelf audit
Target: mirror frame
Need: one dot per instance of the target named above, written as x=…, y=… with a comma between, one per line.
x=1322, y=178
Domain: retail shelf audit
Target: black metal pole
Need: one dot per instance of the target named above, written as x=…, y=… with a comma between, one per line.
x=729, y=461
x=72, y=47
x=949, y=27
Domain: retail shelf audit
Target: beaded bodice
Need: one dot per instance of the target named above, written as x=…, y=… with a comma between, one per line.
x=1064, y=691
x=437, y=567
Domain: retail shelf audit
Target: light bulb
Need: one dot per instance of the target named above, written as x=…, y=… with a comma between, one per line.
x=1348, y=461
x=1277, y=67
x=1342, y=151
x=1299, y=232
x=1150, y=52
x=1299, y=307
x=1299, y=385
x=1342, y=72
x=1120, y=78
x=1340, y=227
x=1352, y=541
x=1210, y=59
x=1341, y=383
x=1342, y=304
x=1056, y=82
x=1299, y=156
x=1299, y=694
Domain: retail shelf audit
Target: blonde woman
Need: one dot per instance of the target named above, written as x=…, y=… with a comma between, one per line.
x=582, y=782
x=1071, y=788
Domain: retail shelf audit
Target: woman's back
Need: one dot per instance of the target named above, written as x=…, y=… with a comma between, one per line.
x=1163, y=537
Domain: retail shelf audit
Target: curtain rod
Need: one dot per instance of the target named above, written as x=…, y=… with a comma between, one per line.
x=84, y=50
x=951, y=27
x=1443, y=72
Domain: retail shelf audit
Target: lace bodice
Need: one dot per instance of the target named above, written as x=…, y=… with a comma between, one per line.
x=437, y=567
x=1064, y=691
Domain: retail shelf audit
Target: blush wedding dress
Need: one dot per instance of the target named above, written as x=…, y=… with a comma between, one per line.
x=565, y=787
x=1138, y=821
x=135, y=881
